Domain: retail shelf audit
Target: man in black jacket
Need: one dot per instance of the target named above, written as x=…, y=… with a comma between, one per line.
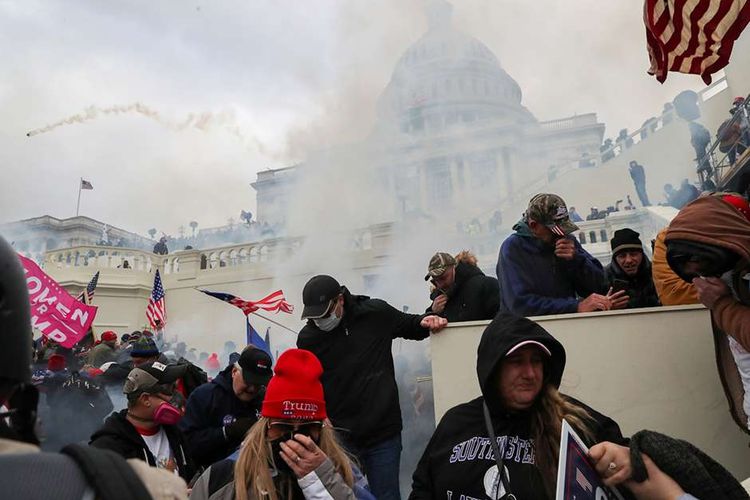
x=351, y=335
x=147, y=428
x=220, y=413
x=519, y=366
x=462, y=291
x=630, y=270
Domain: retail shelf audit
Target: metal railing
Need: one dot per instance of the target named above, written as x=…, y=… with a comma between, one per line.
x=720, y=167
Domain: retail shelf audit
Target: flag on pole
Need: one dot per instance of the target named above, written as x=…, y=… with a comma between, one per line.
x=253, y=338
x=156, y=311
x=274, y=302
x=693, y=36
x=86, y=184
x=87, y=295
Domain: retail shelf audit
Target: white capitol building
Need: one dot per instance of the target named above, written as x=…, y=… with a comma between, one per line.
x=452, y=144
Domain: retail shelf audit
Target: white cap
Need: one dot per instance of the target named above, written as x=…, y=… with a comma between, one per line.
x=528, y=342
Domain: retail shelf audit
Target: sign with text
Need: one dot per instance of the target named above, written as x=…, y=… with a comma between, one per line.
x=54, y=312
x=576, y=477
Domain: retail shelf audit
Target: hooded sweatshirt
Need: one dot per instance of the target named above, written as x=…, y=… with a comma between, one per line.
x=534, y=282
x=120, y=436
x=671, y=289
x=458, y=461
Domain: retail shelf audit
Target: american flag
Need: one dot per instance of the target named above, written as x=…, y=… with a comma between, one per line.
x=87, y=295
x=156, y=311
x=274, y=302
x=693, y=36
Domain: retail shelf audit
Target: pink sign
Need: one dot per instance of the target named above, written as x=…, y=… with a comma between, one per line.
x=54, y=312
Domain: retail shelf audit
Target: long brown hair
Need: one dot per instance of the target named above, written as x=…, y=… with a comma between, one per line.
x=252, y=471
x=550, y=409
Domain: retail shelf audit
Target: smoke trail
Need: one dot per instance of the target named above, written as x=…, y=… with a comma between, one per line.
x=204, y=121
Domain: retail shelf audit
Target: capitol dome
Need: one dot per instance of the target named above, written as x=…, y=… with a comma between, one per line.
x=447, y=77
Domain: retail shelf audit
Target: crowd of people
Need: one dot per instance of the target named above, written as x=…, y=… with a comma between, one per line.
x=325, y=421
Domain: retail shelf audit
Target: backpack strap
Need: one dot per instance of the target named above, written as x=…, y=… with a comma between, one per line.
x=108, y=473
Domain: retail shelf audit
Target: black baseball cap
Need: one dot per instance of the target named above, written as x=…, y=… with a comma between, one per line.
x=318, y=294
x=255, y=365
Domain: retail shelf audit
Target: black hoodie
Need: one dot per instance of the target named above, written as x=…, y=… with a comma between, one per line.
x=458, y=462
x=473, y=296
x=640, y=288
x=119, y=435
x=358, y=376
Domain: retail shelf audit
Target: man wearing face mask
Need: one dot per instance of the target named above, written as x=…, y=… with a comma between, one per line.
x=219, y=413
x=351, y=335
x=708, y=245
x=147, y=428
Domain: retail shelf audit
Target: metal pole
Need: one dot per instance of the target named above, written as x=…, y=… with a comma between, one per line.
x=78, y=205
x=275, y=322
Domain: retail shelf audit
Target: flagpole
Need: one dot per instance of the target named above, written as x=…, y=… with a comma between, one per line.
x=274, y=322
x=78, y=205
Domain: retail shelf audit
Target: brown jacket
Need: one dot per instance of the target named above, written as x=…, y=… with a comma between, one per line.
x=671, y=289
x=713, y=221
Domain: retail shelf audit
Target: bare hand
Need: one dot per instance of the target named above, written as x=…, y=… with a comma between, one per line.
x=434, y=323
x=565, y=249
x=594, y=302
x=618, y=299
x=302, y=455
x=710, y=290
x=438, y=305
x=604, y=455
x=658, y=486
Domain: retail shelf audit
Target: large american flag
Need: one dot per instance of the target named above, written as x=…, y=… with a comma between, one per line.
x=156, y=311
x=693, y=36
x=274, y=302
x=87, y=294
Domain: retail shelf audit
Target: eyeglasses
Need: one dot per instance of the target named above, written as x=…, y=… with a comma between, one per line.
x=289, y=428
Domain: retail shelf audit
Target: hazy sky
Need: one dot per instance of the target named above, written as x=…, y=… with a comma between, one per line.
x=277, y=77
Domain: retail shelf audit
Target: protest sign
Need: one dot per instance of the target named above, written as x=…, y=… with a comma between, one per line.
x=54, y=312
x=576, y=477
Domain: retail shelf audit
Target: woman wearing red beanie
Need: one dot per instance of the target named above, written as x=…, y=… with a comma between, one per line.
x=291, y=452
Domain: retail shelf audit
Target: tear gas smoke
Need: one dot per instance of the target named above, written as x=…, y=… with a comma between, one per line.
x=203, y=121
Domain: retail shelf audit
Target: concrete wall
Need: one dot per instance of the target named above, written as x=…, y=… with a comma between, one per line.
x=648, y=369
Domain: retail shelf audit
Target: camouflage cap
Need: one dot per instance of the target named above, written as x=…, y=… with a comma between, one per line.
x=550, y=210
x=439, y=263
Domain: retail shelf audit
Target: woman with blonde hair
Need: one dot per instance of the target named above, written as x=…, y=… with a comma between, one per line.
x=291, y=452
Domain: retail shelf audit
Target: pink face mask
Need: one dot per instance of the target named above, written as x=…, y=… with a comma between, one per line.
x=166, y=414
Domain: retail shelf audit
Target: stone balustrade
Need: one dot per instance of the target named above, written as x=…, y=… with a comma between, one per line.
x=103, y=257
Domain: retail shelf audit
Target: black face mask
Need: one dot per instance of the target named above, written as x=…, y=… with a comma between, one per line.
x=278, y=461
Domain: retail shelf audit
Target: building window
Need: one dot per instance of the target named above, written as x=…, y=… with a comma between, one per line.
x=439, y=184
x=582, y=238
x=592, y=236
x=603, y=235
x=483, y=169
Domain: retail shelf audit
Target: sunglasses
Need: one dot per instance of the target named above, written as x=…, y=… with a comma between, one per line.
x=290, y=429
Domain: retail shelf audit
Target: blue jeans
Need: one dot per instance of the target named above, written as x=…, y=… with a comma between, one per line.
x=381, y=463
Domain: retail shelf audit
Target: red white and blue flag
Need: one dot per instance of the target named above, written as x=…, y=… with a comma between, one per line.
x=156, y=311
x=87, y=295
x=274, y=302
x=693, y=36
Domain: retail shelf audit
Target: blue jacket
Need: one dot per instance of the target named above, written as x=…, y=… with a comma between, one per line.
x=533, y=282
x=210, y=407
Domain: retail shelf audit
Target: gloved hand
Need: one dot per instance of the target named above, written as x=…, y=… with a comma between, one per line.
x=236, y=431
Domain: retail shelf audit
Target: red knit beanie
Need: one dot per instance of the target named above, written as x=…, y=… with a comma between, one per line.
x=56, y=363
x=739, y=203
x=109, y=336
x=295, y=391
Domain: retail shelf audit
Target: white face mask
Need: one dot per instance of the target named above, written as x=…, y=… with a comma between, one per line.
x=329, y=323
